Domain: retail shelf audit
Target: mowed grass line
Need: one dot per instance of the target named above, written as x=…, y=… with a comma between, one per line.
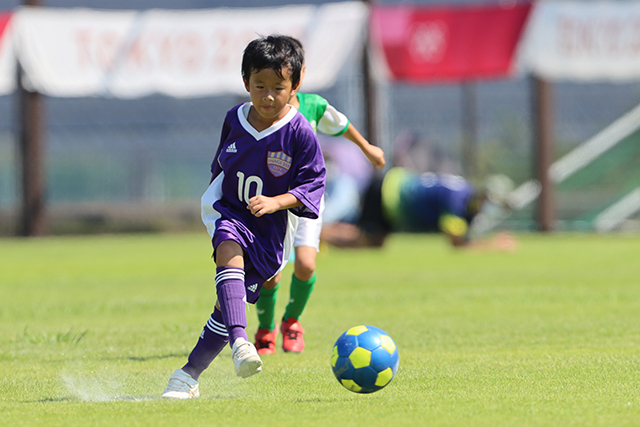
x=92, y=327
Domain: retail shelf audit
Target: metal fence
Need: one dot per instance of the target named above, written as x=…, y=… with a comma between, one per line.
x=110, y=157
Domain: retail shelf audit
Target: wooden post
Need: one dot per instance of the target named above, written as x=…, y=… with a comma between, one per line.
x=32, y=215
x=543, y=112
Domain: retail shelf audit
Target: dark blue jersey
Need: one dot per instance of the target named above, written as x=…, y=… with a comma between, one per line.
x=426, y=202
x=283, y=158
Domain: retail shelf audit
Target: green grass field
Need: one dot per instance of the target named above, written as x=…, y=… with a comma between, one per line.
x=92, y=328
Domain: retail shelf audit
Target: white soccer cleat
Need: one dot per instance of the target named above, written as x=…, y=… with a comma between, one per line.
x=245, y=358
x=181, y=386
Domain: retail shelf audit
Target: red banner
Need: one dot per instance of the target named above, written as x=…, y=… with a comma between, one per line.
x=423, y=44
x=4, y=20
x=7, y=57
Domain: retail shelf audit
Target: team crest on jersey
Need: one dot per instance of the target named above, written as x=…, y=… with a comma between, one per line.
x=278, y=162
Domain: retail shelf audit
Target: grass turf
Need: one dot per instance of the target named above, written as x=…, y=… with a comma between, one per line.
x=92, y=328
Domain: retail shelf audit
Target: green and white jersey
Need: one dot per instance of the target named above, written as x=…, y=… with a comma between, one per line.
x=324, y=118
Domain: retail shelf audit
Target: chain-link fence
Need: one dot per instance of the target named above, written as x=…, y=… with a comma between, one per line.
x=148, y=159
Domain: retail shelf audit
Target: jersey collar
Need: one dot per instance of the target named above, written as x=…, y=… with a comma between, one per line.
x=243, y=112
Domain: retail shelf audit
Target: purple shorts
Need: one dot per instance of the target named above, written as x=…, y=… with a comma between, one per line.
x=253, y=280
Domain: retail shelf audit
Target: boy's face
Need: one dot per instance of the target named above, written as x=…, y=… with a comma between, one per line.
x=269, y=93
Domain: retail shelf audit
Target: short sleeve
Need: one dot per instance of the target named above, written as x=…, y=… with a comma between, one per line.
x=309, y=182
x=333, y=122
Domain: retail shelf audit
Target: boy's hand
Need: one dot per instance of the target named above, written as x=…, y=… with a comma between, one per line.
x=375, y=155
x=261, y=205
x=505, y=242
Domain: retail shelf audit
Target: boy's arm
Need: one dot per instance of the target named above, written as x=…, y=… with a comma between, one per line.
x=215, y=166
x=374, y=154
x=260, y=205
x=502, y=242
x=333, y=120
x=456, y=230
x=344, y=235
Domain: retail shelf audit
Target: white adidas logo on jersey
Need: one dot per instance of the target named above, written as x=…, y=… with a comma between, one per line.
x=253, y=287
x=232, y=148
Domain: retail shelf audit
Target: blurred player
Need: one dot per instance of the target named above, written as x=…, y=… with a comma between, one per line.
x=268, y=168
x=429, y=202
x=326, y=119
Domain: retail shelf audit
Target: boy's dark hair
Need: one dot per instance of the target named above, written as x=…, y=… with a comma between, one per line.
x=275, y=52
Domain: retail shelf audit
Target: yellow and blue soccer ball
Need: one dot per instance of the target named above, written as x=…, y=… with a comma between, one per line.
x=364, y=359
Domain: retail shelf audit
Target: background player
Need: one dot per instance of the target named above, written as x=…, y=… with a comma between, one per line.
x=268, y=167
x=429, y=202
x=326, y=119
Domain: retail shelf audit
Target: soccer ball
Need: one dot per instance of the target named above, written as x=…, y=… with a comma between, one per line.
x=364, y=359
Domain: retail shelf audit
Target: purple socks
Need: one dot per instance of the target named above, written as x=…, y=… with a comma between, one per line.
x=212, y=340
x=233, y=301
x=225, y=325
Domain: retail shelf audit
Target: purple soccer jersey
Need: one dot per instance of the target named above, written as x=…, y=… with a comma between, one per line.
x=283, y=158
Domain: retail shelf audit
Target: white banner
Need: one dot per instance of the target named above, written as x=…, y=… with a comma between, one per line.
x=82, y=52
x=583, y=41
x=7, y=56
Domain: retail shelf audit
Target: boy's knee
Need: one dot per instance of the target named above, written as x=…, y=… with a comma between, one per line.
x=304, y=271
x=229, y=254
x=305, y=262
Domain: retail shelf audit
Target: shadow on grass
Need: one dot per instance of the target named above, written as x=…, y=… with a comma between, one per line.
x=108, y=399
x=318, y=400
x=52, y=400
x=146, y=358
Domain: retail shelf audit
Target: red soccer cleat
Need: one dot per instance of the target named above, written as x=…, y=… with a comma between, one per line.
x=266, y=341
x=292, y=332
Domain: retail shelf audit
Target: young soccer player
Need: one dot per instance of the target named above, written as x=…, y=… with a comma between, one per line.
x=405, y=201
x=326, y=119
x=268, y=169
